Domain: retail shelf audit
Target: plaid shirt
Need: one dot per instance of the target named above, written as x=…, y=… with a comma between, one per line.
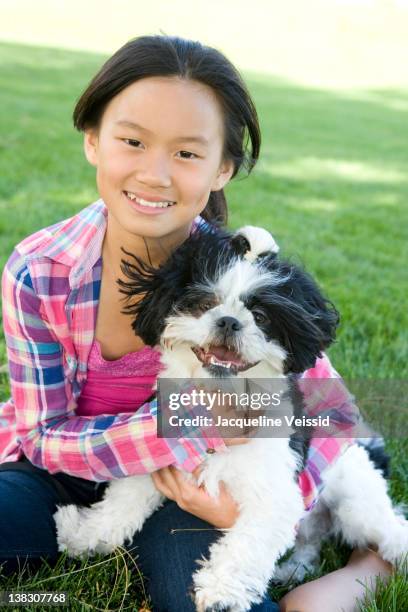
x=50, y=292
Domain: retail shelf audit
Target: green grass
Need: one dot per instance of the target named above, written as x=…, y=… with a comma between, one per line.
x=111, y=583
x=332, y=187
x=387, y=596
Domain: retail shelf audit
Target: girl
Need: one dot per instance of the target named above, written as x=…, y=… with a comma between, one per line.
x=165, y=124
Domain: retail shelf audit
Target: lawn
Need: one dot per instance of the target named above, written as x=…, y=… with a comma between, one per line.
x=331, y=185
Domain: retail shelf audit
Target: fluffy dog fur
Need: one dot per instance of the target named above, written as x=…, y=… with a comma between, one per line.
x=226, y=305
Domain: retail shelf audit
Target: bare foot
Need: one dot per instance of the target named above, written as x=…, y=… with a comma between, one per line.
x=339, y=590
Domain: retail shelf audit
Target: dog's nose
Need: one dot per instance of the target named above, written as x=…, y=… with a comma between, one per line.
x=229, y=325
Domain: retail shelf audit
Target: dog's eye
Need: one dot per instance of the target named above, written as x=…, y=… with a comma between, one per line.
x=205, y=306
x=259, y=317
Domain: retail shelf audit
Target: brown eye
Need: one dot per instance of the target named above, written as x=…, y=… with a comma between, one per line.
x=259, y=317
x=206, y=306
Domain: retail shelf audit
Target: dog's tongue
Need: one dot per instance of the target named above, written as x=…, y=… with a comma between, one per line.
x=223, y=354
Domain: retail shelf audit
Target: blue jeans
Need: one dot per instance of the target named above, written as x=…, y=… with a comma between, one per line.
x=165, y=550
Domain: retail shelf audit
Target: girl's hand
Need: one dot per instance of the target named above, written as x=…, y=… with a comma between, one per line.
x=221, y=512
x=231, y=435
x=235, y=441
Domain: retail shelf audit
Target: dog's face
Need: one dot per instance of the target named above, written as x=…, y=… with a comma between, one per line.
x=230, y=310
x=226, y=321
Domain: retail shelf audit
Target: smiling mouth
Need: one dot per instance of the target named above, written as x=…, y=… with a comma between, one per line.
x=148, y=203
x=222, y=357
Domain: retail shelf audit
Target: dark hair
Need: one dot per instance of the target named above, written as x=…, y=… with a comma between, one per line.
x=163, y=55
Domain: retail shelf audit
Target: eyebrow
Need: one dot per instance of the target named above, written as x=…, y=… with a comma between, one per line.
x=135, y=126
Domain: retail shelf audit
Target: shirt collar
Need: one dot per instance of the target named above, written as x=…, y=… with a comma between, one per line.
x=78, y=242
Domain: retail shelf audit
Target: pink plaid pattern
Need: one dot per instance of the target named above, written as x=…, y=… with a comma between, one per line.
x=50, y=292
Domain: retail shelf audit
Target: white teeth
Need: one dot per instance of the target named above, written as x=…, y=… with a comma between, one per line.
x=163, y=204
x=226, y=364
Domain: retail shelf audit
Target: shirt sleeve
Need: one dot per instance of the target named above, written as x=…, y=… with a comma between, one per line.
x=325, y=394
x=52, y=437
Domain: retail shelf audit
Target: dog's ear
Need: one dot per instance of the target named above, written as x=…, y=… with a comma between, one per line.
x=304, y=320
x=152, y=293
x=253, y=243
x=240, y=244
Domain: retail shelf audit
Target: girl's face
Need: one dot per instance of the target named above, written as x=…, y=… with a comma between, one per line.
x=159, y=138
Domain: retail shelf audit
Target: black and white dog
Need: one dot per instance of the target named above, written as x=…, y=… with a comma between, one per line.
x=225, y=305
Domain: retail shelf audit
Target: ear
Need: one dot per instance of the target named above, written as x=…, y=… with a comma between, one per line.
x=252, y=243
x=91, y=146
x=240, y=244
x=151, y=293
x=154, y=309
x=304, y=320
x=224, y=174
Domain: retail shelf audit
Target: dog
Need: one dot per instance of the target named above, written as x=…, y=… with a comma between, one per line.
x=225, y=306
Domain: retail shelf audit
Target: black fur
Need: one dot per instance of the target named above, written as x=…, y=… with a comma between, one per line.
x=299, y=441
x=164, y=288
x=375, y=448
x=296, y=313
x=298, y=316
x=240, y=244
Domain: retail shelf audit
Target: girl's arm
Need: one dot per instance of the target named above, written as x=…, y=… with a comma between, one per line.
x=51, y=435
x=325, y=394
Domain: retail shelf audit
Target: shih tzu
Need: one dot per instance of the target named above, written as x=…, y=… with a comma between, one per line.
x=225, y=305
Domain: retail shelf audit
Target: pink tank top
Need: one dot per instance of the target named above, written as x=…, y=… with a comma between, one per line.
x=124, y=384
x=121, y=385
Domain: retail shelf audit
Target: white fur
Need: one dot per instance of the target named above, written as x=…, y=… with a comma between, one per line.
x=111, y=522
x=186, y=330
x=260, y=476
x=260, y=240
x=354, y=505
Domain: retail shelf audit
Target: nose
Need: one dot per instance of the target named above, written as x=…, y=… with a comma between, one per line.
x=154, y=171
x=229, y=325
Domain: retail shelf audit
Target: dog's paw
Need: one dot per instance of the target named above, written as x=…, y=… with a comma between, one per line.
x=80, y=537
x=206, y=603
x=67, y=521
x=394, y=547
x=215, y=592
x=211, y=607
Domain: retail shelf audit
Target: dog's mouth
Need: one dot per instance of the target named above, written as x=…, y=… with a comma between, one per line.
x=221, y=356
